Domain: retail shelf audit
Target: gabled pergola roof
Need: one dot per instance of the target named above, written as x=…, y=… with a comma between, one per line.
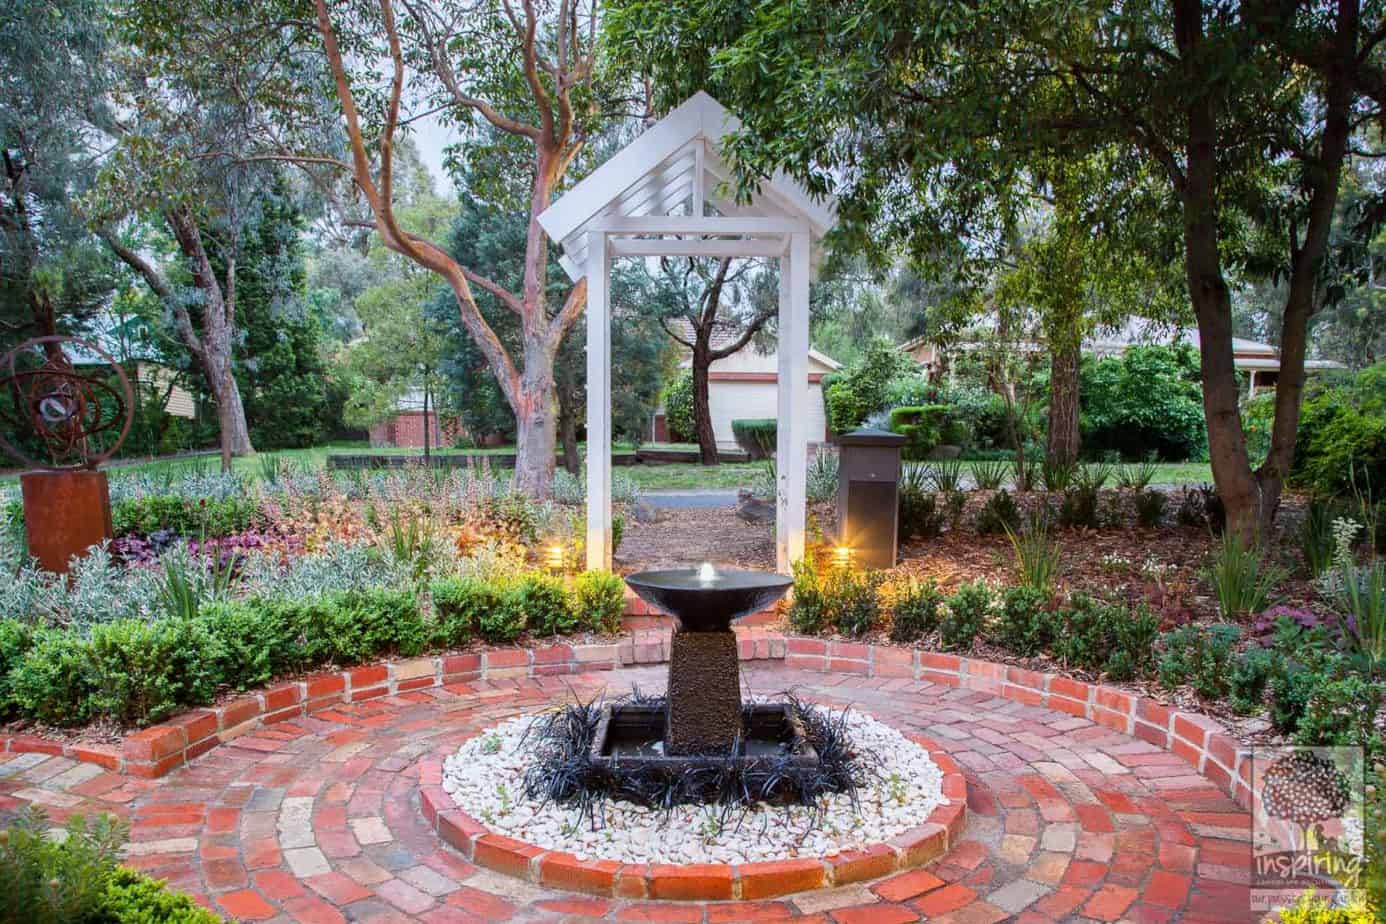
x=675, y=167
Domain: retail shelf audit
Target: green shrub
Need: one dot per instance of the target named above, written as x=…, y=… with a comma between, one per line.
x=365, y=624
x=1251, y=675
x=1341, y=443
x=678, y=408
x=75, y=879
x=1025, y=623
x=542, y=602
x=142, y=671
x=921, y=426
x=1146, y=400
x=1093, y=634
x=131, y=898
x=1201, y=657
x=756, y=435
x=920, y=516
x=209, y=517
x=1150, y=508
x=503, y=622
x=460, y=604
x=808, y=612
x=1341, y=712
x=1079, y=509
x=1243, y=580
x=254, y=641
x=599, y=601
x=854, y=600
x=915, y=607
x=1316, y=541
x=15, y=638
x=966, y=615
x=52, y=682
x=863, y=388
x=999, y=514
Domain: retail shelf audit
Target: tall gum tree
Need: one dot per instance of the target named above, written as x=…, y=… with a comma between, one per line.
x=556, y=58
x=347, y=80
x=920, y=116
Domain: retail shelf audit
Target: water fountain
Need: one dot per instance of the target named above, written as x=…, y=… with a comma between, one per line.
x=703, y=716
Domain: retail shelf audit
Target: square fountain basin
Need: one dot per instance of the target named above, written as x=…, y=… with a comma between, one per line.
x=629, y=736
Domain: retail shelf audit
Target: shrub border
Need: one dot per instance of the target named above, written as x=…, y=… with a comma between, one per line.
x=556, y=869
x=153, y=752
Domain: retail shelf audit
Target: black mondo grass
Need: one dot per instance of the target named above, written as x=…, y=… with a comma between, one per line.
x=563, y=771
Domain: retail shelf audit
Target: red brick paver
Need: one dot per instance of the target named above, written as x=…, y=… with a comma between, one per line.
x=319, y=817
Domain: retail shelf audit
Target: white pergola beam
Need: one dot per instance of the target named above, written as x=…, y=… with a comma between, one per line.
x=695, y=247
x=791, y=444
x=598, y=404
x=697, y=224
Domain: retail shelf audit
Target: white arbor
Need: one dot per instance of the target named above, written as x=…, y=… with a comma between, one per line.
x=667, y=194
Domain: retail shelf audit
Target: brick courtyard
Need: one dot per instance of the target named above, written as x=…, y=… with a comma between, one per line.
x=318, y=819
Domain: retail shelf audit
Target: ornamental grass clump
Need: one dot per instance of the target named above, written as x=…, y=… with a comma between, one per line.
x=1243, y=578
x=1038, y=560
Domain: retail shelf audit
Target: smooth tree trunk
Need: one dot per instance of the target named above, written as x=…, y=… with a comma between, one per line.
x=1064, y=436
x=1252, y=497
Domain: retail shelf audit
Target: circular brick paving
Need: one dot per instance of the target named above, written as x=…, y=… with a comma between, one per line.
x=319, y=818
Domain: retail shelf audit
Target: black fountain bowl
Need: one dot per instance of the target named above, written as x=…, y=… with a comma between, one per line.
x=708, y=606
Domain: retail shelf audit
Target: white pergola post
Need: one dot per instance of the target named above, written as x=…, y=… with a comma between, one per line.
x=598, y=403
x=791, y=445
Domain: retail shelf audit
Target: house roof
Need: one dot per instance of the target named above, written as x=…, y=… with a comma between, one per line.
x=658, y=173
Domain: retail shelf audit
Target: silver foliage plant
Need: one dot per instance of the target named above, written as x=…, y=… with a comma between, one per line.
x=571, y=490
x=96, y=589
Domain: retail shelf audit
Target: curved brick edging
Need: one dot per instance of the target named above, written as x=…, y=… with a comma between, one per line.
x=695, y=881
x=154, y=751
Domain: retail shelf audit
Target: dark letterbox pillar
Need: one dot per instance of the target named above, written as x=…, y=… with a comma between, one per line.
x=868, y=489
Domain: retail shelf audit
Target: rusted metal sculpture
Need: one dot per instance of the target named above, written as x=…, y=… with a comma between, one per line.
x=81, y=419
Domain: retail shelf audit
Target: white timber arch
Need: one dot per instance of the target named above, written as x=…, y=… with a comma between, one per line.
x=667, y=194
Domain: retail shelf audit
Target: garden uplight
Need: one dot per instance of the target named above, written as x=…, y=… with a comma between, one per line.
x=554, y=557
x=843, y=556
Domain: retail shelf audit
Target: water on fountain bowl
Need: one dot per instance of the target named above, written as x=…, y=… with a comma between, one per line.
x=703, y=605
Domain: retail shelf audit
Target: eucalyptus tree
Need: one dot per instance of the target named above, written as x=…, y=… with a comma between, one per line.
x=921, y=115
x=524, y=85
x=54, y=274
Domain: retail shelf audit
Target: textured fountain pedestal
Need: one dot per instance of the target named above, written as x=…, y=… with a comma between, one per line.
x=704, y=693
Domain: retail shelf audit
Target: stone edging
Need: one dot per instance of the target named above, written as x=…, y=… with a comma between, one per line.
x=696, y=881
x=154, y=751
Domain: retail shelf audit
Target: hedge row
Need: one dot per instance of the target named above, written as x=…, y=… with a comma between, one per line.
x=135, y=672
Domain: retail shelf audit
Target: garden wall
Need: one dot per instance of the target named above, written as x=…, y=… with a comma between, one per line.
x=154, y=751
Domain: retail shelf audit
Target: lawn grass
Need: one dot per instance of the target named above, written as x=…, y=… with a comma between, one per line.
x=670, y=477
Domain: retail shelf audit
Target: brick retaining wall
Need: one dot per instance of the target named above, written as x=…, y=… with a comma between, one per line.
x=154, y=751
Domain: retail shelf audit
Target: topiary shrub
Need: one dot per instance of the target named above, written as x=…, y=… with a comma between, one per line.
x=599, y=601
x=915, y=609
x=15, y=638
x=1024, y=625
x=542, y=602
x=144, y=671
x=52, y=683
x=966, y=615
x=459, y=605
x=854, y=600
x=808, y=612
x=254, y=641
x=364, y=624
x=756, y=435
